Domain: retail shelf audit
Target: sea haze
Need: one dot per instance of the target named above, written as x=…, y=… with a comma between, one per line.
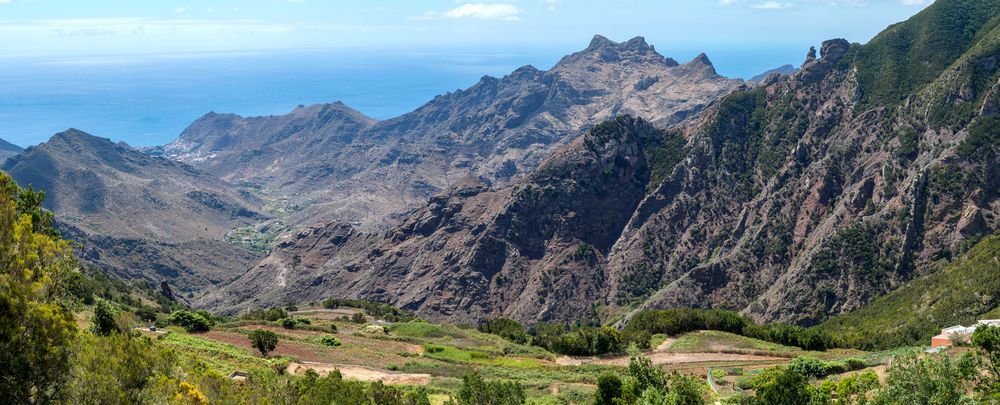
x=148, y=100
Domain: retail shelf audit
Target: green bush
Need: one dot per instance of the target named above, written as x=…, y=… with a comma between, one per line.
x=506, y=328
x=330, y=341
x=476, y=391
x=190, y=321
x=263, y=340
x=288, y=323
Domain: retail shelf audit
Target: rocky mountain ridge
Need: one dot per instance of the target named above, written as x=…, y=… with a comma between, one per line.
x=341, y=165
x=795, y=200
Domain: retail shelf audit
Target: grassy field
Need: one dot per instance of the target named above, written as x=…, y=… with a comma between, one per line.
x=439, y=355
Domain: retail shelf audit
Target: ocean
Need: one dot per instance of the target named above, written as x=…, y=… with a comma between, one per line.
x=148, y=100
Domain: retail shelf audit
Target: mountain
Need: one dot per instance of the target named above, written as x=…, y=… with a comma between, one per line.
x=137, y=214
x=338, y=164
x=7, y=150
x=797, y=200
x=783, y=70
x=961, y=293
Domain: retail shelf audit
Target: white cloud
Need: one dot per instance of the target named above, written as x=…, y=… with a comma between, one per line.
x=483, y=11
x=771, y=5
x=727, y=2
x=180, y=10
x=4, y=1
x=551, y=4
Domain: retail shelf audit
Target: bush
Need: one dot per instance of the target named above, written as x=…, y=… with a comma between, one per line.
x=358, y=318
x=270, y=314
x=190, y=321
x=333, y=328
x=330, y=341
x=263, y=340
x=476, y=391
x=676, y=321
x=580, y=341
x=506, y=328
x=375, y=309
x=103, y=323
x=288, y=323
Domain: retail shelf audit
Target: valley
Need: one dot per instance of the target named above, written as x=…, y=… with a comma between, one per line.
x=619, y=229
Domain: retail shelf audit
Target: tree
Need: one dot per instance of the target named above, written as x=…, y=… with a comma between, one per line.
x=928, y=380
x=190, y=321
x=103, y=323
x=609, y=387
x=264, y=341
x=476, y=391
x=986, y=339
x=782, y=386
x=36, y=325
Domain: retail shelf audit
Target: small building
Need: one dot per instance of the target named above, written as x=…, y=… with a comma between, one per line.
x=955, y=334
x=239, y=376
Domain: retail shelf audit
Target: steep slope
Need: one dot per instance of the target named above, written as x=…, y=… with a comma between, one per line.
x=340, y=165
x=8, y=150
x=796, y=200
x=110, y=196
x=809, y=197
x=526, y=251
x=960, y=294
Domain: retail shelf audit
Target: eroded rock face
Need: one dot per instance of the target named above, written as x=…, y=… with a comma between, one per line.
x=793, y=201
x=342, y=165
x=531, y=250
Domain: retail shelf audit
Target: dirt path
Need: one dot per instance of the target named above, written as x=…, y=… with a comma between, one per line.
x=665, y=345
x=360, y=373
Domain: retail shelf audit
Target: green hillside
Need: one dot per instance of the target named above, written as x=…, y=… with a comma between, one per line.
x=961, y=293
x=912, y=54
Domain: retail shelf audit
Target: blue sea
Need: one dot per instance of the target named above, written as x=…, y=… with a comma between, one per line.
x=148, y=100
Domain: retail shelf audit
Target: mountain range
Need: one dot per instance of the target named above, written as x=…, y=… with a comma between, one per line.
x=800, y=199
x=618, y=180
x=339, y=164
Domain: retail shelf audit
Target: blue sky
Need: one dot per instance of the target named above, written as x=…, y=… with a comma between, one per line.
x=64, y=27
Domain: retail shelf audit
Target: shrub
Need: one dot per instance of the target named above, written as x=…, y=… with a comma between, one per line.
x=358, y=318
x=506, y=328
x=333, y=328
x=270, y=314
x=263, y=340
x=330, y=341
x=476, y=391
x=288, y=323
x=192, y=322
x=103, y=322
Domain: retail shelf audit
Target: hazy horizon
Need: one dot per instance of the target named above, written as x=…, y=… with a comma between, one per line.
x=140, y=73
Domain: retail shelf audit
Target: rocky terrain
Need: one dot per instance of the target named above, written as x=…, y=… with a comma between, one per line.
x=138, y=215
x=794, y=200
x=7, y=150
x=342, y=165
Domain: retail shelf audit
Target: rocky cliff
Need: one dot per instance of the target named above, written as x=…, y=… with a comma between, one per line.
x=795, y=200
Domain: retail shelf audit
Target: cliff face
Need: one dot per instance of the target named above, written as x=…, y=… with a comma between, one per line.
x=532, y=250
x=340, y=165
x=795, y=200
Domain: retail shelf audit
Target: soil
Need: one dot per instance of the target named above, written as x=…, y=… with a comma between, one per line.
x=360, y=373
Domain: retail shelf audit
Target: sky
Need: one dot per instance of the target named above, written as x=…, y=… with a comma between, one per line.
x=141, y=71
x=97, y=27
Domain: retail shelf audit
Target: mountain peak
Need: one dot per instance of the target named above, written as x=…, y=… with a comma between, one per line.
x=702, y=59
x=599, y=41
x=602, y=49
